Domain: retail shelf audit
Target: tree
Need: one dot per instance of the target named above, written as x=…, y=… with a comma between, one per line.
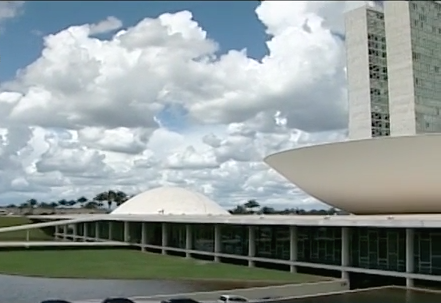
x=111, y=196
x=104, y=196
x=332, y=211
x=238, y=210
x=31, y=204
x=82, y=200
x=44, y=205
x=120, y=198
x=251, y=205
x=267, y=210
x=62, y=202
x=91, y=205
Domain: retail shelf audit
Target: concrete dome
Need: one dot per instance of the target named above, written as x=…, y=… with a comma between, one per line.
x=385, y=175
x=170, y=201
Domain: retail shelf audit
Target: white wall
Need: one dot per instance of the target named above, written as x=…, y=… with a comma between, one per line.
x=400, y=68
x=357, y=58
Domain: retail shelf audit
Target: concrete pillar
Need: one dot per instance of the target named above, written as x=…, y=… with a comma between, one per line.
x=143, y=236
x=27, y=235
x=74, y=231
x=217, y=242
x=164, y=238
x=97, y=230
x=126, y=231
x=85, y=231
x=188, y=240
x=293, y=247
x=65, y=232
x=251, y=244
x=110, y=230
x=345, y=252
x=56, y=232
x=410, y=255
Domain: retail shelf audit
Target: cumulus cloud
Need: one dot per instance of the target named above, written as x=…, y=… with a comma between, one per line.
x=10, y=9
x=83, y=117
x=108, y=25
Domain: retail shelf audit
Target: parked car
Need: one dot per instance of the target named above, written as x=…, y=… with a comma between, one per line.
x=231, y=299
x=270, y=298
x=117, y=300
x=55, y=301
x=180, y=300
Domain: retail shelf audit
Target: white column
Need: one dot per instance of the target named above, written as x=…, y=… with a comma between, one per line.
x=64, y=232
x=188, y=240
x=126, y=231
x=143, y=236
x=27, y=235
x=345, y=251
x=74, y=232
x=97, y=230
x=293, y=247
x=110, y=230
x=251, y=244
x=217, y=242
x=85, y=231
x=164, y=238
x=409, y=255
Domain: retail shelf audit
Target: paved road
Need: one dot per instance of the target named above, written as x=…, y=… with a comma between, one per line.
x=136, y=301
x=158, y=301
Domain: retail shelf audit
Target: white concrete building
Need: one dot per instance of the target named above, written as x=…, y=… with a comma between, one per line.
x=394, y=69
x=404, y=247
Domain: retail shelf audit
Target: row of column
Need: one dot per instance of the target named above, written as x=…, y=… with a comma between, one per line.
x=345, y=249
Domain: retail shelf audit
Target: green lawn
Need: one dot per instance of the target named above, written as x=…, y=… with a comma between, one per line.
x=130, y=264
x=34, y=234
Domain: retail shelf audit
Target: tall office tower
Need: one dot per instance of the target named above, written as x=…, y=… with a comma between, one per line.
x=367, y=73
x=393, y=67
x=413, y=35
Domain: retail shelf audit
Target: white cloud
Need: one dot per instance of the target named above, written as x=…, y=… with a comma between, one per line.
x=83, y=117
x=10, y=9
x=108, y=25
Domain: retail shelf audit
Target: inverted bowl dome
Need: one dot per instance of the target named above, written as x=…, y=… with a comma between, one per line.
x=387, y=175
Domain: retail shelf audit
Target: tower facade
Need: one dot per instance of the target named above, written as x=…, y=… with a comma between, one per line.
x=393, y=69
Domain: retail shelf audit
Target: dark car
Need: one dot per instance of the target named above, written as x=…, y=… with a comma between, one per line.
x=270, y=298
x=55, y=301
x=117, y=300
x=180, y=300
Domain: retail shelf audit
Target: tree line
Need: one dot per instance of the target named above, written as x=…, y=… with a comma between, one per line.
x=108, y=199
x=253, y=207
x=105, y=199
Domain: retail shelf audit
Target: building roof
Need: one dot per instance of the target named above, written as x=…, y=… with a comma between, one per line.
x=170, y=201
x=396, y=221
x=387, y=175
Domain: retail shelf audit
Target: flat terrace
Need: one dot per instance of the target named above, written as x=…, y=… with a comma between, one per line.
x=393, y=220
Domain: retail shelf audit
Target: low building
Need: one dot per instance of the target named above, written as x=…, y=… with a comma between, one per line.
x=399, y=246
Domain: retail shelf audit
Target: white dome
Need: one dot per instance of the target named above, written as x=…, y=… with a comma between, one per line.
x=170, y=201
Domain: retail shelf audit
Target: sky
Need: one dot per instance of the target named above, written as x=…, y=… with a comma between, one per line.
x=135, y=95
